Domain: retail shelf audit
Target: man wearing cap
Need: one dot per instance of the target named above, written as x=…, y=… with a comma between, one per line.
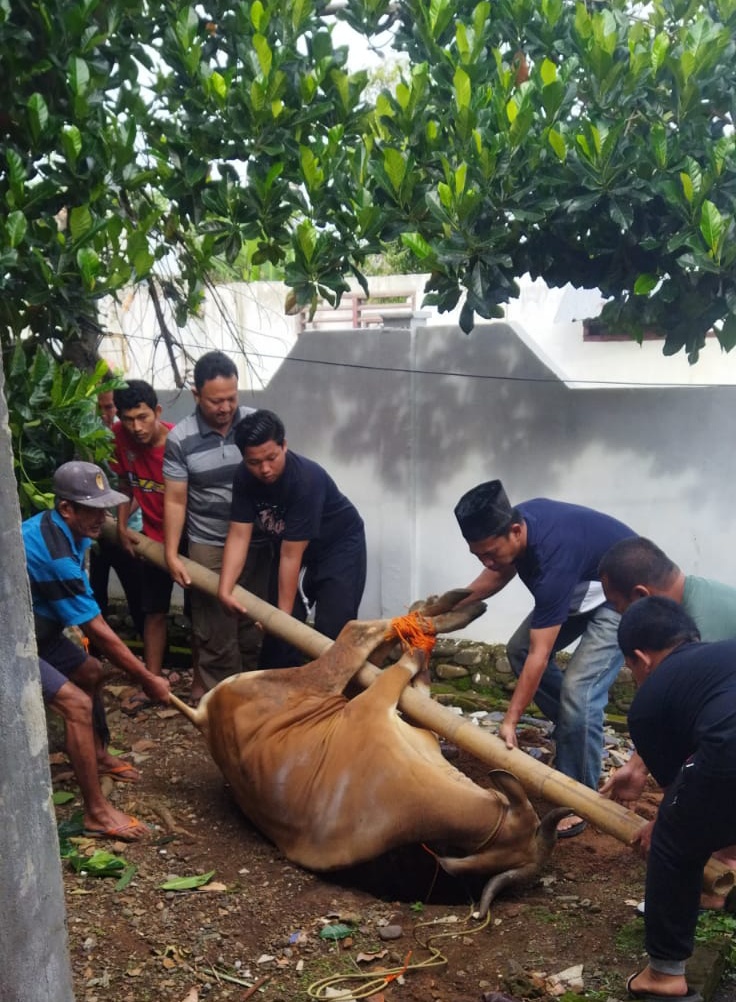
x=555, y=548
x=56, y=542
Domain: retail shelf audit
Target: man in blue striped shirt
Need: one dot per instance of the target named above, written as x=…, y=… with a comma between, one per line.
x=56, y=543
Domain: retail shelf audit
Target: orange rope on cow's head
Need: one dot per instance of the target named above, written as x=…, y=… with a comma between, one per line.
x=415, y=632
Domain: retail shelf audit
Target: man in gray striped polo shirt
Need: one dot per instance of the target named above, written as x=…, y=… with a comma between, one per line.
x=199, y=464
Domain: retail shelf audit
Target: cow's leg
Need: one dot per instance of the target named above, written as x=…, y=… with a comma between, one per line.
x=386, y=690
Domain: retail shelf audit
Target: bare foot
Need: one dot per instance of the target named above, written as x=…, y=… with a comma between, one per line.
x=109, y=822
x=571, y=826
x=665, y=985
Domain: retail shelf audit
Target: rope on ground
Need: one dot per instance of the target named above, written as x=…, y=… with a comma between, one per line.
x=364, y=984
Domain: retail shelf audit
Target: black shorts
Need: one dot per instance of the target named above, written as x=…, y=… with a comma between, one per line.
x=156, y=586
x=58, y=660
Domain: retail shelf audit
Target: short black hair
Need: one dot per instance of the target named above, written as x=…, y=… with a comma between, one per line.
x=636, y=561
x=257, y=428
x=136, y=392
x=655, y=623
x=211, y=366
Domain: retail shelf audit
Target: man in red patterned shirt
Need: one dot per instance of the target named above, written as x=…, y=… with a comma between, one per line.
x=140, y=437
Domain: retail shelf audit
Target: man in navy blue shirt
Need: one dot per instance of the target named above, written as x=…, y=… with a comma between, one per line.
x=682, y=721
x=555, y=549
x=295, y=502
x=56, y=542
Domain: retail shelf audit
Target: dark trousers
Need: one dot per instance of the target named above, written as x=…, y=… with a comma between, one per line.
x=697, y=816
x=334, y=585
x=104, y=556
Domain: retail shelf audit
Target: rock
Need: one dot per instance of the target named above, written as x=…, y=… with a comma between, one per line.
x=503, y=666
x=448, y=672
x=469, y=657
x=569, y=980
x=388, y=932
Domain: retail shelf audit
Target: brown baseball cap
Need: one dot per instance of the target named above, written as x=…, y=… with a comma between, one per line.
x=86, y=484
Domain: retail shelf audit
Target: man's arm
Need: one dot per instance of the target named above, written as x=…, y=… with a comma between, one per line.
x=290, y=563
x=541, y=643
x=107, y=641
x=488, y=583
x=123, y=513
x=234, y=556
x=175, y=513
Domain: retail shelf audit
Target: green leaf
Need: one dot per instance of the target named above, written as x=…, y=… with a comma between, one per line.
x=258, y=16
x=187, y=883
x=548, y=72
x=128, y=873
x=687, y=186
x=395, y=166
x=71, y=140
x=659, y=51
x=15, y=227
x=558, y=144
x=89, y=264
x=62, y=797
x=336, y=931
x=264, y=54
x=38, y=114
x=712, y=226
x=416, y=243
x=644, y=284
x=461, y=86
x=80, y=222
x=99, y=864
x=78, y=76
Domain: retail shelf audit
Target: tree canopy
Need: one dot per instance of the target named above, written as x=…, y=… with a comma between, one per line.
x=582, y=142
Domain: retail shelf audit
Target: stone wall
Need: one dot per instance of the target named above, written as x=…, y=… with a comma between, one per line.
x=478, y=676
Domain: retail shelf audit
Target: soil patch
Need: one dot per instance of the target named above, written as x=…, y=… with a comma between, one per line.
x=261, y=924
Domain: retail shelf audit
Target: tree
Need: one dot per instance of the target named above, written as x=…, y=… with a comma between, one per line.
x=577, y=141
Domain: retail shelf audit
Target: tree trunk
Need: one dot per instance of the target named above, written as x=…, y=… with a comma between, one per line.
x=538, y=779
x=34, y=952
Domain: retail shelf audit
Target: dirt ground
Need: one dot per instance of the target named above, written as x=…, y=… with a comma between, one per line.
x=254, y=930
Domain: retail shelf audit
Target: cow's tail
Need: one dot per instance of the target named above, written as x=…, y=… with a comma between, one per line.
x=191, y=713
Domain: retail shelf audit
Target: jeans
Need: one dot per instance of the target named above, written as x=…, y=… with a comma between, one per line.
x=574, y=699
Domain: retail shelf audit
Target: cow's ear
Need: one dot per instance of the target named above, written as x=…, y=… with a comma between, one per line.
x=506, y=782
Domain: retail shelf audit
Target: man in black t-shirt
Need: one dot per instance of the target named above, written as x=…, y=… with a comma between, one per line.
x=683, y=724
x=295, y=502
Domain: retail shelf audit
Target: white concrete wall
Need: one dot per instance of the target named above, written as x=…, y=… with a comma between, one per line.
x=407, y=421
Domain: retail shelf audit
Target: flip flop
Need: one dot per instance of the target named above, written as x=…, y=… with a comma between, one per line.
x=573, y=830
x=123, y=833
x=645, y=996
x=117, y=772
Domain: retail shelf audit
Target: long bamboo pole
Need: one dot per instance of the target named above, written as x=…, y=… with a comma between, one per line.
x=537, y=779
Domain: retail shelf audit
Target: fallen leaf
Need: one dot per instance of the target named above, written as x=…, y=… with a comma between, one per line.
x=366, y=958
x=214, y=886
x=57, y=758
x=166, y=714
x=168, y=963
x=191, y=996
x=134, y=972
x=144, y=745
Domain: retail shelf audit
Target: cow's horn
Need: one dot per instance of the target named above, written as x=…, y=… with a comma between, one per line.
x=499, y=882
x=547, y=831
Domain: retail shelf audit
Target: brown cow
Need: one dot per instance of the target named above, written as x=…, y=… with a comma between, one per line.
x=334, y=781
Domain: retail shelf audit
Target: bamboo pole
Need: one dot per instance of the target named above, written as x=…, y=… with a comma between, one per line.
x=537, y=779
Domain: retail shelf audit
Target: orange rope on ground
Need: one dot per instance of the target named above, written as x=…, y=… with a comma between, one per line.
x=415, y=632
